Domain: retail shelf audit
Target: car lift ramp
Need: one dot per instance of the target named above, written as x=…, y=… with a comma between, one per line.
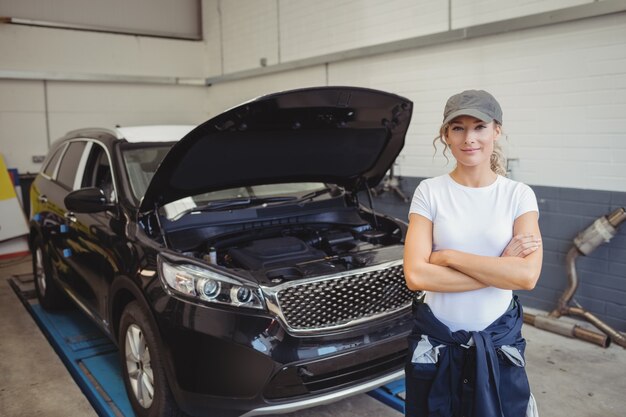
x=93, y=360
x=88, y=354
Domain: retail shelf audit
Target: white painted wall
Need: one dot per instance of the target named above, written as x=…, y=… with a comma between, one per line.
x=23, y=129
x=310, y=28
x=99, y=104
x=33, y=112
x=226, y=95
x=562, y=86
x=250, y=33
x=476, y=12
x=22, y=123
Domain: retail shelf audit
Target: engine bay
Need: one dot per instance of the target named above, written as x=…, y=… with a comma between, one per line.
x=278, y=254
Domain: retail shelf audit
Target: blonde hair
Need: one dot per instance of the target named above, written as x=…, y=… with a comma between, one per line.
x=497, y=160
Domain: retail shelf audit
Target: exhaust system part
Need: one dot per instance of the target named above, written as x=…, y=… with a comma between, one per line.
x=592, y=337
x=568, y=293
x=616, y=336
x=554, y=325
x=600, y=231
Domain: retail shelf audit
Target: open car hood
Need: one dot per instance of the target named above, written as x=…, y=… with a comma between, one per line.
x=341, y=135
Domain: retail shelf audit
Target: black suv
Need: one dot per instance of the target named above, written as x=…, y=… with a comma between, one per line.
x=235, y=268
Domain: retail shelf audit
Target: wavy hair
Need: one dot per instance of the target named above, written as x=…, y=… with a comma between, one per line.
x=497, y=160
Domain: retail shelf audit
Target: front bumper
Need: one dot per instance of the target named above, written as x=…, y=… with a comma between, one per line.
x=236, y=362
x=326, y=398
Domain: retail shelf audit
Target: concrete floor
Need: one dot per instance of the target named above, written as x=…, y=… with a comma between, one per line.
x=568, y=377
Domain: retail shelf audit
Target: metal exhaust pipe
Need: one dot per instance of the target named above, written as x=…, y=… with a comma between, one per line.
x=602, y=230
x=554, y=325
x=616, y=336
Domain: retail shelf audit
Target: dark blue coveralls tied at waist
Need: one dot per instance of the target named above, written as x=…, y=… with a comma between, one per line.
x=466, y=374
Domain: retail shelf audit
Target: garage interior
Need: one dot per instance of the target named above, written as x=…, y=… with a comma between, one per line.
x=558, y=68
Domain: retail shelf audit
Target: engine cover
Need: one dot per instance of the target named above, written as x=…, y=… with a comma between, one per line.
x=271, y=253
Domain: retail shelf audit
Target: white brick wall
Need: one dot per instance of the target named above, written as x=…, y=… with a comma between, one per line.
x=562, y=86
x=73, y=105
x=223, y=96
x=212, y=34
x=22, y=123
x=288, y=30
x=249, y=33
x=76, y=105
x=475, y=12
x=563, y=90
x=310, y=28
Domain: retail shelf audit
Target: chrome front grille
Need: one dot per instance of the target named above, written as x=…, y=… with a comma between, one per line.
x=344, y=300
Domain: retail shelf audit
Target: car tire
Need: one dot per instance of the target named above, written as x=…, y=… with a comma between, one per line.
x=142, y=366
x=50, y=295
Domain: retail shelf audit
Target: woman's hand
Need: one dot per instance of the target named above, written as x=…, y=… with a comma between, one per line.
x=522, y=245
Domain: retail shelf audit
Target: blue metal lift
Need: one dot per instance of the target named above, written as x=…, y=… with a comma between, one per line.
x=88, y=354
x=93, y=360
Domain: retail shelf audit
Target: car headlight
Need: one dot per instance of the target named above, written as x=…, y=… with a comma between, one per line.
x=208, y=286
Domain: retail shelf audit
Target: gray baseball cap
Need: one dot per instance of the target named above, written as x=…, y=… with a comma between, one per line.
x=476, y=103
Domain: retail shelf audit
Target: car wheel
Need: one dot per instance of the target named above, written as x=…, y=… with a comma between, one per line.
x=50, y=296
x=142, y=368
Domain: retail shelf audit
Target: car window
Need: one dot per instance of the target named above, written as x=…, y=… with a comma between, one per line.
x=52, y=162
x=141, y=164
x=69, y=163
x=98, y=172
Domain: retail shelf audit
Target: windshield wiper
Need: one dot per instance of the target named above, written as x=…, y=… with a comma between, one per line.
x=251, y=201
x=311, y=195
x=234, y=203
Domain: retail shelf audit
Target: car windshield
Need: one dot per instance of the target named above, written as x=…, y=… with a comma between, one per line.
x=142, y=162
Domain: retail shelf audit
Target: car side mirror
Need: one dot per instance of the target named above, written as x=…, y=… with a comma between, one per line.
x=87, y=200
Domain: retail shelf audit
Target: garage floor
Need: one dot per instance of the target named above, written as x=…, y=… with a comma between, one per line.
x=568, y=377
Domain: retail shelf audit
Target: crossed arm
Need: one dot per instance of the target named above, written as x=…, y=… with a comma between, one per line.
x=453, y=271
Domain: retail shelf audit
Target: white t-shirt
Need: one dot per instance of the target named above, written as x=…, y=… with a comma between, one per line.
x=472, y=220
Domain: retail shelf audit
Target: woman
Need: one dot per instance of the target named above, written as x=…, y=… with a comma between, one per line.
x=473, y=237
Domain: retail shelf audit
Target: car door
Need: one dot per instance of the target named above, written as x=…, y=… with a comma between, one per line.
x=66, y=180
x=57, y=222
x=96, y=238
